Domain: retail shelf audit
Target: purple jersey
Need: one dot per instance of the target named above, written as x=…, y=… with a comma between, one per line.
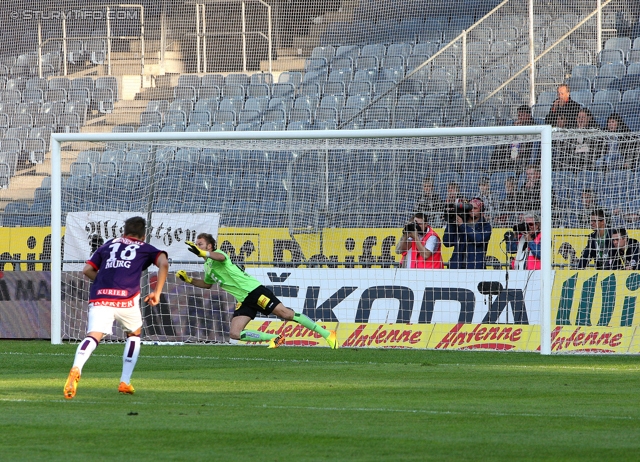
x=120, y=263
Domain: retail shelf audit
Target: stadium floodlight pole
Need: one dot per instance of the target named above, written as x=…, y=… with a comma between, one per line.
x=544, y=131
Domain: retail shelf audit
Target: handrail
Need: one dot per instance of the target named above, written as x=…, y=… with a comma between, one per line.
x=544, y=52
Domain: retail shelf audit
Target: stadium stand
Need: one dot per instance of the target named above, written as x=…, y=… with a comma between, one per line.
x=357, y=74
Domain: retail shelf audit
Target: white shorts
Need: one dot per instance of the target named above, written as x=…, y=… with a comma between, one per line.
x=101, y=317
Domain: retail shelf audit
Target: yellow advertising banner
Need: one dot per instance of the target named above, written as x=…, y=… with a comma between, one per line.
x=356, y=335
x=294, y=333
x=489, y=337
x=580, y=339
x=595, y=298
x=356, y=246
x=351, y=335
x=25, y=244
x=496, y=337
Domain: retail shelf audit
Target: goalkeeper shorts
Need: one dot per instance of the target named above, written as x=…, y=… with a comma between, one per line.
x=260, y=300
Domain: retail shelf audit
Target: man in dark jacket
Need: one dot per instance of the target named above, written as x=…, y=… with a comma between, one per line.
x=564, y=106
x=598, y=247
x=469, y=235
x=625, y=251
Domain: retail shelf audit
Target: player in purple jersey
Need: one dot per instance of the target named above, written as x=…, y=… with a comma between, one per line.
x=115, y=269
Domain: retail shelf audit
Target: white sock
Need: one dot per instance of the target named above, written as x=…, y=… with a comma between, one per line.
x=129, y=358
x=84, y=351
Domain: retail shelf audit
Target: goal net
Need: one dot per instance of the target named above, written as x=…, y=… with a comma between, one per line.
x=316, y=216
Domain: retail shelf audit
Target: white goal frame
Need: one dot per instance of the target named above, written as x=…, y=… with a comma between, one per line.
x=544, y=131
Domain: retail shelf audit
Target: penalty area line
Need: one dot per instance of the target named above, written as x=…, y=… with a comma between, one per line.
x=545, y=367
x=339, y=409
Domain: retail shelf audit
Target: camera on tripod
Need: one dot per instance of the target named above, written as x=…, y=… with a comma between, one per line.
x=459, y=209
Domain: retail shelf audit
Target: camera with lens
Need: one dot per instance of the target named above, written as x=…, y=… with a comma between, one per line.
x=459, y=209
x=410, y=227
x=520, y=228
x=510, y=236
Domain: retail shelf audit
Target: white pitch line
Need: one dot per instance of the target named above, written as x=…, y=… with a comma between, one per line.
x=373, y=363
x=342, y=409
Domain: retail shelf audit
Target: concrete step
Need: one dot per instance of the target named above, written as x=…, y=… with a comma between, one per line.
x=283, y=64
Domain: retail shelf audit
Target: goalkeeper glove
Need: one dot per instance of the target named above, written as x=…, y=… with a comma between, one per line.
x=182, y=274
x=194, y=249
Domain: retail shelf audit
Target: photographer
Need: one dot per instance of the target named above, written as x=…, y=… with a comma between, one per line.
x=419, y=245
x=526, y=245
x=468, y=232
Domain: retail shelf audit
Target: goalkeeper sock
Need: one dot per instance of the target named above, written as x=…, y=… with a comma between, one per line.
x=83, y=352
x=305, y=321
x=255, y=336
x=129, y=358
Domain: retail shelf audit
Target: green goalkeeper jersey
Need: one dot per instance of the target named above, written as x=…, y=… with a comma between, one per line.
x=230, y=277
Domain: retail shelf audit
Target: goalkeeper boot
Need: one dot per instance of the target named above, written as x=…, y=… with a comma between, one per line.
x=71, y=384
x=332, y=340
x=126, y=388
x=276, y=342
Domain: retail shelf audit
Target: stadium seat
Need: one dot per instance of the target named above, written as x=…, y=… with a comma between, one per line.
x=334, y=88
x=290, y=77
x=209, y=92
x=579, y=83
x=582, y=97
x=609, y=56
x=331, y=101
x=607, y=96
x=326, y=115
x=300, y=115
x=325, y=52
x=256, y=104
x=258, y=91
x=367, y=62
x=306, y=102
x=212, y=80
x=283, y=90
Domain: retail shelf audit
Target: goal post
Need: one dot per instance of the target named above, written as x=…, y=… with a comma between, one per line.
x=380, y=139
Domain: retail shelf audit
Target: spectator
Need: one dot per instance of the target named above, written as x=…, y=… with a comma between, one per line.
x=453, y=193
x=565, y=106
x=526, y=245
x=619, y=149
x=419, y=245
x=598, y=246
x=625, y=251
x=586, y=205
x=484, y=186
x=511, y=203
x=512, y=195
x=582, y=152
x=469, y=235
x=514, y=156
x=529, y=194
x=429, y=202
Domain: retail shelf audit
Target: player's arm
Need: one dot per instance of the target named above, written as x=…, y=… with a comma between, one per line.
x=163, y=269
x=182, y=274
x=90, y=271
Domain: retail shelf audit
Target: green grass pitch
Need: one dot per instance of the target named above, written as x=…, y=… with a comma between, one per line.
x=224, y=403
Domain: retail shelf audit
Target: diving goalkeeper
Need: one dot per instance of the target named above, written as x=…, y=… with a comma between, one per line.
x=251, y=295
